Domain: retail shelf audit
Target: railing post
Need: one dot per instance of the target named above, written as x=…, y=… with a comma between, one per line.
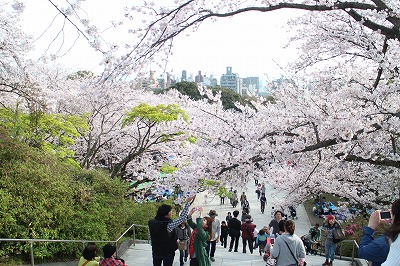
x=352, y=257
x=134, y=235
x=31, y=249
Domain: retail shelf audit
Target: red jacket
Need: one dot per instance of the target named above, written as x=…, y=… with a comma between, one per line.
x=247, y=230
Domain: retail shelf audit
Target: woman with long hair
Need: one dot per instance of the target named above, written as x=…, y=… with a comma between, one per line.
x=182, y=234
x=288, y=248
x=202, y=230
x=376, y=250
x=330, y=225
x=392, y=233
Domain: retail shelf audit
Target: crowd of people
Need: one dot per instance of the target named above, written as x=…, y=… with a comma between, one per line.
x=197, y=237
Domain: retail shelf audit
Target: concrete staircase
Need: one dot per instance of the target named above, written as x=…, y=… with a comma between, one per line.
x=140, y=254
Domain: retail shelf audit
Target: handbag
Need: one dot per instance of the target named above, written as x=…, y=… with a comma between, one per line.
x=338, y=235
x=297, y=263
x=182, y=244
x=268, y=259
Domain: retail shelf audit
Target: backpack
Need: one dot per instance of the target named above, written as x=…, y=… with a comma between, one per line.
x=191, y=243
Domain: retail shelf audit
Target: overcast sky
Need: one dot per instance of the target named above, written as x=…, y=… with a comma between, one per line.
x=249, y=43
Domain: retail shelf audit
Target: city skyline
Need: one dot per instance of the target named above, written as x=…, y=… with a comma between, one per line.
x=251, y=43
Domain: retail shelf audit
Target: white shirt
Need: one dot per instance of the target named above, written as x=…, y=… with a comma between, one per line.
x=216, y=229
x=393, y=257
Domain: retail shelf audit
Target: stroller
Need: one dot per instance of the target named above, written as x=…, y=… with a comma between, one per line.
x=293, y=213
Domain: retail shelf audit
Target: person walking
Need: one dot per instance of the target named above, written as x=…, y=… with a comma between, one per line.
x=247, y=229
x=262, y=188
x=228, y=216
x=288, y=248
x=261, y=241
x=330, y=225
x=258, y=191
x=245, y=214
x=163, y=235
x=274, y=224
x=183, y=233
x=215, y=235
x=246, y=206
x=224, y=234
x=243, y=198
x=263, y=202
x=234, y=199
x=234, y=226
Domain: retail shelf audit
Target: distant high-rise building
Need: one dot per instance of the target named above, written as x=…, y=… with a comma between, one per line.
x=184, y=75
x=210, y=81
x=149, y=83
x=231, y=81
x=199, y=78
x=251, y=85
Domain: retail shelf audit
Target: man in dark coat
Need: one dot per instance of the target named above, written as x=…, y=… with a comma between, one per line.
x=234, y=231
x=163, y=235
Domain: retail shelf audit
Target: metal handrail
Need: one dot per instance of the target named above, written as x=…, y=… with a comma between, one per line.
x=33, y=240
x=353, y=251
x=354, y=244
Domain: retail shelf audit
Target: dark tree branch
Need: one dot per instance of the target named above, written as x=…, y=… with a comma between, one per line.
x=380, y=162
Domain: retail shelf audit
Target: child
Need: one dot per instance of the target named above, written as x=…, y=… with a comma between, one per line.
x=224, y=234
x=261, y=241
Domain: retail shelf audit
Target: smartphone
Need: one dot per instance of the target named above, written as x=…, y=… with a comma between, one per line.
x=385, y=215
x=272, y=241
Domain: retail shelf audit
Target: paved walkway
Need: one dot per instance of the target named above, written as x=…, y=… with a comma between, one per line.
x=140, y=255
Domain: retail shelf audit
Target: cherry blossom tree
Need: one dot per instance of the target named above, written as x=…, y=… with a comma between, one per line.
x=334, y=128
x=16, y=82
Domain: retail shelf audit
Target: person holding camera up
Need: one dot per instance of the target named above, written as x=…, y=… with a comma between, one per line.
x=376, y=250
x=202, y=232
x=163, y=235
x=393, y=234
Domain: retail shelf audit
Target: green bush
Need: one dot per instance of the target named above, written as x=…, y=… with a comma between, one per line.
x=353, y=231
x=42, y=197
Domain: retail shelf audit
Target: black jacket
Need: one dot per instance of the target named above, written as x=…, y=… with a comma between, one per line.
x=234, y=226
x=162, y=241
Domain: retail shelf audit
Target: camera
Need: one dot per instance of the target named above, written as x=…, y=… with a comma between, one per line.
x=385, y=215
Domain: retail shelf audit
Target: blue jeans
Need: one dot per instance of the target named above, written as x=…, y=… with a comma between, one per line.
x=330, y=249
x=168, y=259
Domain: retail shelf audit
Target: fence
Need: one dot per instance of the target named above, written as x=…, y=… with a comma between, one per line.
x=354, y=245
x=84, y=242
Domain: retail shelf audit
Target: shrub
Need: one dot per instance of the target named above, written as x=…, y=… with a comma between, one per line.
x=353, y=231
x=44, y=198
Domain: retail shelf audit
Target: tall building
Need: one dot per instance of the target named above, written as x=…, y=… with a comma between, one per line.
x=210, y=81
x=231, y=81
x=251, y=85
x=184, y=75
x=199, y=78
x=149, y=83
